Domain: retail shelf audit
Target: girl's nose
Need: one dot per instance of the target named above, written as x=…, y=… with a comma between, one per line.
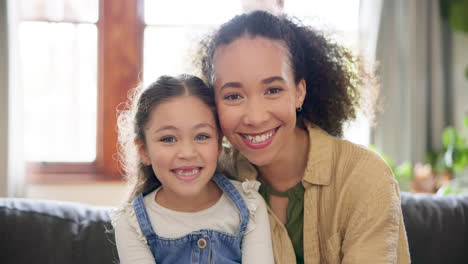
x=187, y=150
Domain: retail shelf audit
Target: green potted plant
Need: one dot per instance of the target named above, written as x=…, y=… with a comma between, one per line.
x=453, y=158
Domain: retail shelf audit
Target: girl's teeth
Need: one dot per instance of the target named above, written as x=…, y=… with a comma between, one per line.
x=187, y=173
x=259, y=138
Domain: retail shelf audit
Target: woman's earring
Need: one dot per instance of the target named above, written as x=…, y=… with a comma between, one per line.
x=299, y=108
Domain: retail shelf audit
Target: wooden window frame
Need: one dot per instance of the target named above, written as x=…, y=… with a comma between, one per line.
x=120, y=63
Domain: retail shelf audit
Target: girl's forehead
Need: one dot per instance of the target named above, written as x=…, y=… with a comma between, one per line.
x=181, y=111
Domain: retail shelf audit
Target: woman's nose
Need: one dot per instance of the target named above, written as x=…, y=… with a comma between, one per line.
x=256, y=113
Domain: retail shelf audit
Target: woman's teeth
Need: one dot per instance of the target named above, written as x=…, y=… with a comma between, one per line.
x=187, y=172
x=258, y=138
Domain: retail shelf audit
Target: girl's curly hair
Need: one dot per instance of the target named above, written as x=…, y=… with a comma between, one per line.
x=333, y=75
x=136, y=114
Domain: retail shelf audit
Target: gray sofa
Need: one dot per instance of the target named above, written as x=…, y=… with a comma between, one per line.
x=38, y=231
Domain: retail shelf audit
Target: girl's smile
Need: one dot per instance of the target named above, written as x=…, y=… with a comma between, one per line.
x=187, y=174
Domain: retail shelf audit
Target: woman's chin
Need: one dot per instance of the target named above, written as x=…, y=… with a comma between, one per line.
x=258, y=160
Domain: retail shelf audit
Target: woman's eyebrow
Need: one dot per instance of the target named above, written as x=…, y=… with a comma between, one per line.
x=264, y=81
x=273, y=79
x=231, y=85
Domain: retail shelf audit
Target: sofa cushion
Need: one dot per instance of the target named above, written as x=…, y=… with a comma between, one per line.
x=40, y=231
x=437, y=227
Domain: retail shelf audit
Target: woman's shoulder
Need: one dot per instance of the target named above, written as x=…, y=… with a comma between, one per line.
x=343, y=159
x=360, y=159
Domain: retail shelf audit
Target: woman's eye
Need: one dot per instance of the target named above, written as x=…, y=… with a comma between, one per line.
x=168, y=139
x=202, y=137
x=273, y=90
x=232, y=97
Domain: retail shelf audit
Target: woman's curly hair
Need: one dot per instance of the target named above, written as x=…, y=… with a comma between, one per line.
x=333, y=75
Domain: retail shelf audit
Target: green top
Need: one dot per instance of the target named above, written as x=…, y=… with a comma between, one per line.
x=294, y=213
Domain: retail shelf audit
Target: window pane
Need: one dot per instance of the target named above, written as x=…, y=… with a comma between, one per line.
x=58, y=64
x=59, y=10
x=167, y=50
x=183, y=12
x=340, y=15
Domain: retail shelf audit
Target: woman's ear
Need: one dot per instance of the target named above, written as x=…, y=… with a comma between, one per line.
x=142, y=152
x=301, y=92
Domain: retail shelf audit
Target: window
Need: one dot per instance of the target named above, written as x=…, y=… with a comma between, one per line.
x=58, y=64
x=78, y=60
x=343, y=23
x=171, y=32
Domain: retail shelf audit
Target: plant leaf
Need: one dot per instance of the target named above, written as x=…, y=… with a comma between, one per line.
x=449, y=136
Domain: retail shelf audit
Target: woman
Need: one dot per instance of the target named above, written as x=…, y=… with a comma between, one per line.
x=283, y=93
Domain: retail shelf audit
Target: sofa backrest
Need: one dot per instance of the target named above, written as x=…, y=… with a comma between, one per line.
x=40, y=231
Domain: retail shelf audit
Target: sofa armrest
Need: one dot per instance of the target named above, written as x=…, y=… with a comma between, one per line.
x=437, y=227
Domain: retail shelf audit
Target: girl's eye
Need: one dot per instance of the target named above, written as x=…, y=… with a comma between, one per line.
x=168, y=139
x=202, y=137
x=273, y=90
x=232, y=97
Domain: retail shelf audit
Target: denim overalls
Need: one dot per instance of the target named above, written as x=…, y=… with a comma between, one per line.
x=202, y=246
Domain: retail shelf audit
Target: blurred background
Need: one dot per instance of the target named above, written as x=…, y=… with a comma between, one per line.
x=67, y=65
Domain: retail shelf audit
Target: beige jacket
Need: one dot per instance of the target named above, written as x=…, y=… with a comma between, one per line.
x=352, y=211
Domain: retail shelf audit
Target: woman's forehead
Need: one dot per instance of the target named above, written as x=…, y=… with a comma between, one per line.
x=256, y=57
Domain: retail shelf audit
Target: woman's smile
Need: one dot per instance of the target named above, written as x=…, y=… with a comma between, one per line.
x=259, y=140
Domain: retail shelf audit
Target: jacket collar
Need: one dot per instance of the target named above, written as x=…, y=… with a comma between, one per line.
x=318, y=168
x=319, y=161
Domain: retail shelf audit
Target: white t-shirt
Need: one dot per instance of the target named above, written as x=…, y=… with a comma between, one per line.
x=222, y=216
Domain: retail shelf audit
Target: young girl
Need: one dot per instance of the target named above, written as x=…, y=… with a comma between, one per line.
x=181, y=210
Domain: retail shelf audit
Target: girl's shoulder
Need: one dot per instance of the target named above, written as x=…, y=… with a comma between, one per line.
x=123, y=219
x=248, y=189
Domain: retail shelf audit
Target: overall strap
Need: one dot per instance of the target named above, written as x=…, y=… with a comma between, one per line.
x=143, y=218
x=230, y=190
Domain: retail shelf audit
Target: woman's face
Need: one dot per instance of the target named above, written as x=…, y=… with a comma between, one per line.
x=256, y=97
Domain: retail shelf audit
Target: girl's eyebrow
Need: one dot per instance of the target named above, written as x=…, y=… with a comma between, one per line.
x=201, y=125
x=165, y=128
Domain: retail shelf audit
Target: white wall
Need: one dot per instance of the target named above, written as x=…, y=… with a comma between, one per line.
x=105, y=194
x=459, y=81
x=3, y=99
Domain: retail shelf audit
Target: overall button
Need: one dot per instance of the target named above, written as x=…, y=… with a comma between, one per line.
x=201, y=243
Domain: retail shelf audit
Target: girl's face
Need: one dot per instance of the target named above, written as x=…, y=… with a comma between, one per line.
x=182, y=145
x=256, y=97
